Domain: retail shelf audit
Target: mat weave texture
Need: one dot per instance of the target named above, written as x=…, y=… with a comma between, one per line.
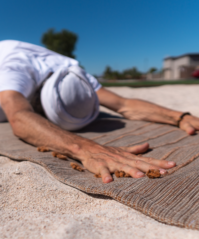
x=173, y=199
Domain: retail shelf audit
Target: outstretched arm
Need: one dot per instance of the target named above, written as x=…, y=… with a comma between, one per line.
x=135, y=109
x=98, y=159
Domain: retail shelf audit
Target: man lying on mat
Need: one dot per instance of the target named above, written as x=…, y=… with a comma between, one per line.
x=70, y=99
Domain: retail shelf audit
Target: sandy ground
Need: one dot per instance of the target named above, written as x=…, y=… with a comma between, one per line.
x=35, y=205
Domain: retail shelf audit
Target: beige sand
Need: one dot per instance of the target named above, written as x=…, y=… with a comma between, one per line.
x=35, y=205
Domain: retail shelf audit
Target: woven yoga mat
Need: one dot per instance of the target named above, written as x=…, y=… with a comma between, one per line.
x=173, y=199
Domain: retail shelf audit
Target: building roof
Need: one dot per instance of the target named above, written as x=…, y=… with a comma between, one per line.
x=176, y=57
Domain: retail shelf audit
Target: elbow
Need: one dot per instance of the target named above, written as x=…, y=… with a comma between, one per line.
x=16, y=125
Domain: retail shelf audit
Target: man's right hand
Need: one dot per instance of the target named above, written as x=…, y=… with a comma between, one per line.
x=106, y=160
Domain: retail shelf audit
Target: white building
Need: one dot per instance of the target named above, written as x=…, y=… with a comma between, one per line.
x=180, y=67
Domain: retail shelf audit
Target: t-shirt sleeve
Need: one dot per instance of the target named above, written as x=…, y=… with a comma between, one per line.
x=94, y=82
x=16, y=81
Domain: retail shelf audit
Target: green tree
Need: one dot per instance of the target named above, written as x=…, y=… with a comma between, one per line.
x=152, y=70
x=132, y=73
x=111, y=75
x=62, y=42
x=108, y=72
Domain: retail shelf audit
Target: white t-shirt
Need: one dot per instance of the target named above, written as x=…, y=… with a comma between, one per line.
x=24, y=66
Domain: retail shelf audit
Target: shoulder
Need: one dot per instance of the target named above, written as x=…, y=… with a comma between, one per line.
x=9, y=43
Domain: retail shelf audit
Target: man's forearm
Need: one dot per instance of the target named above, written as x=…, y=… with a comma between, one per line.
x=38, y=131
x=142, y=110
x=135, y=109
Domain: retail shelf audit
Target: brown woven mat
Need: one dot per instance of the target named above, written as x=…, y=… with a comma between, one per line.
x=173, y=199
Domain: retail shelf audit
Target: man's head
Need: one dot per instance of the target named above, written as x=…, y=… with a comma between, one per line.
x=68, y=98
x=76, y=95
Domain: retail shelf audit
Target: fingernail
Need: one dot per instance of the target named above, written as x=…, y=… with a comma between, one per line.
x=162, y=171
x=171, y=163
x=140, y=174
x=107, y=179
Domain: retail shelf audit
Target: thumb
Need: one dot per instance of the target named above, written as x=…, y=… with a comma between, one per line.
x=138, y=149
x=187, y=128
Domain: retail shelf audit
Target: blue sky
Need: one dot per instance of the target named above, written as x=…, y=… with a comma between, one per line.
x=118, y=33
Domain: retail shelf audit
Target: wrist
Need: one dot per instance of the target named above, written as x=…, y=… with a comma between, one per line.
x=174, y=117
x=81, y=148
x=184, y=115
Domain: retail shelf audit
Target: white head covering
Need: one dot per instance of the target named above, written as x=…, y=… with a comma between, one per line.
x=68, y=99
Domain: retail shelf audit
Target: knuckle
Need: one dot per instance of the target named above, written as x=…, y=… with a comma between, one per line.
x=76, y=148
x=137, y=162
x=118, y=166
x=127, y=154
x=120, y=158
x=123, y=166
x=108, y=160
x=149, y=160
x=101, y=164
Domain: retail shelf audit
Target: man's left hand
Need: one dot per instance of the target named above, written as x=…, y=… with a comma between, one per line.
x=135, y=109
x=190, y=124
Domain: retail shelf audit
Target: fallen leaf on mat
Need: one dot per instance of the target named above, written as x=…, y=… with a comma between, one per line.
x=58, y=155
x=76, y=167
x=43, y=149
x=153, y=173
